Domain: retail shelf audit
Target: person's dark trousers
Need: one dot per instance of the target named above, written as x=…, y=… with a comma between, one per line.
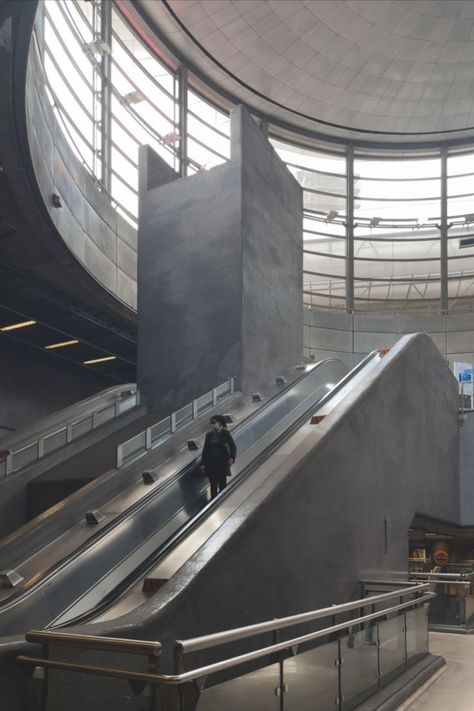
x=217, y=485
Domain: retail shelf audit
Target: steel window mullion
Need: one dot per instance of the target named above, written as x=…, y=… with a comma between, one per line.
x=350, y=229
x=124, y=155
x=390, y=200
x=124, y=182
x=106, y=96
x=206, y=147
x=66, y=81
x=136, y=88
x=395, y=259
x=84, y=18
x=324, y=254
x=183, y=156
x=315, y=171
x=208, y=125
x=67, y=51
x=144, y=70
x=156, y=137
x=118, y=68
x=444, y=230
x=140, y=120
x=62, y=110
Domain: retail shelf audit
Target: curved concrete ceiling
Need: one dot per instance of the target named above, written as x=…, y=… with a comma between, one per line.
x=383, y=70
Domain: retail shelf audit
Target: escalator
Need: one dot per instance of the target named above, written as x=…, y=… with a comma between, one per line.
x=122, y=550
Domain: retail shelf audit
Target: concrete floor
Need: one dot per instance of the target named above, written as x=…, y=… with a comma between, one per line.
x=452, y=688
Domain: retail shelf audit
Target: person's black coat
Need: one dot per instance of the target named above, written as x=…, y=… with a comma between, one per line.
x=217, y=465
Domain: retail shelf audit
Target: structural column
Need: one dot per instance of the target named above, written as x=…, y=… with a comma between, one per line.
x=220, y=271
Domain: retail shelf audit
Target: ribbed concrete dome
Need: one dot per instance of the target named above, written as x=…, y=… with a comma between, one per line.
x=359, y=68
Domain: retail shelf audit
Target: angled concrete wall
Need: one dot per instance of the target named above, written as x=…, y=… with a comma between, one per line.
x=220, y=273
x=335, y=509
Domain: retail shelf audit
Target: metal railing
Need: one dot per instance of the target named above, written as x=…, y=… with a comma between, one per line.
x=12, y=460
x=289, y=669
x=162, y=430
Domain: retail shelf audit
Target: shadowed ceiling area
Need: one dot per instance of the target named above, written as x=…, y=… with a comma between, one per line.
x=371, y=69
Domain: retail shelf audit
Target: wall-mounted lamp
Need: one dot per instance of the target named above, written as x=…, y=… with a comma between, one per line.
x=133, y=97
x=97, y=47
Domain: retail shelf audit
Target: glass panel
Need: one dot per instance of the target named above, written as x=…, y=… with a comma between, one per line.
x=161, y=430
x=25, y=456
x=311, y=159
x=55, y=440
x=469, y=609
x=417, y=632
x=108, y=413
x=127, y=404
x=204, y=402
x=360, y=666
x=81, y=428
x=223, y=390
x=134, y=445
x=312, y=679
x=202, y=156
x=391, y=645
x=184, y=415
x=255, y=690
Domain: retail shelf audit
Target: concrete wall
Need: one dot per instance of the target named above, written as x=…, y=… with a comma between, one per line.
x=351, y=336
x=34, y=385
x=466, y=453
x=101, y=239
x=220, y=273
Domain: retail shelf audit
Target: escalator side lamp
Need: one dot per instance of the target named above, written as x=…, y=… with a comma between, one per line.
x=152, y=585
x=94, y=517
x=301, y=366
x=193, y=445
x=10, y=578
x=228, y=418
x=256, y=397
x=316, y=419
x=280, y=380
x=149, y=477
x=383, y=351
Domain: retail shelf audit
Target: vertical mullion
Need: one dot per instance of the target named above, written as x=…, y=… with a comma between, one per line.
x=183, y=119
x=106, y=95
x=444, y=230
x=350, y=229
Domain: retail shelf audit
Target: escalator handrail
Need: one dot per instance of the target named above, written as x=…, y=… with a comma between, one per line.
x=187, y=528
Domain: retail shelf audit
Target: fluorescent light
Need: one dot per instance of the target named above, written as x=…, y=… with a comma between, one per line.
x=13, y=326
x=99, y=360
x=72, y=342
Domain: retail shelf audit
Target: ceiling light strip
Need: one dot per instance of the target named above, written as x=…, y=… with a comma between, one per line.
x=52, y=346
x=99, y=360
x=14, y=326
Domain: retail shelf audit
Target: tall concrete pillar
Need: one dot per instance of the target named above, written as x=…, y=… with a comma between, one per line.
x=219, y=272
